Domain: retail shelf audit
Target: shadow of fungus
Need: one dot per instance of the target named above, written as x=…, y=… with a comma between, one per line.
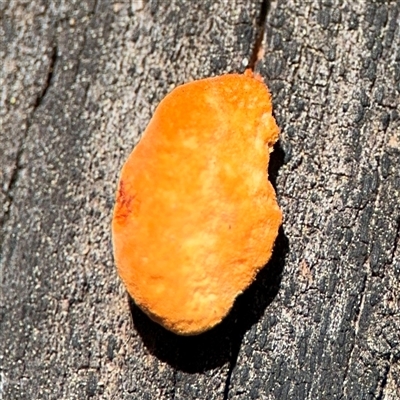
x=277, y=159
x=221, y=344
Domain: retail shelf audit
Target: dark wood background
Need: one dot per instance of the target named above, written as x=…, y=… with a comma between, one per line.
x=79, y=83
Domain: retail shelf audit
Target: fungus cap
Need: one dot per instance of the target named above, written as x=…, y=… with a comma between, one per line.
x=195, y=217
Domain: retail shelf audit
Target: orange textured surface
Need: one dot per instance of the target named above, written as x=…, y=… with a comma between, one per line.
x=195, y=216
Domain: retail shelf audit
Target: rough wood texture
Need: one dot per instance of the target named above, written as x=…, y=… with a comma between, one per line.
x=80, y=80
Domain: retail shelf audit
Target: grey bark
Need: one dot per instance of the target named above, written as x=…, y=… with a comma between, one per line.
x=79, y=83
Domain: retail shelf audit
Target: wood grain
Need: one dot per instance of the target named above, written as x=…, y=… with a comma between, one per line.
x=79, y=83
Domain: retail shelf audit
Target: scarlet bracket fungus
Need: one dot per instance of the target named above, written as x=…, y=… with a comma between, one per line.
x=195, y=217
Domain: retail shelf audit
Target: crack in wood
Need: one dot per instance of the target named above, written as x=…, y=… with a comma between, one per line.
x=396, y=241
x=232, y=365
x=38, y=102
x=258, y=48
x=18, y=159
x=385, y=378
x=48, y=82
x=356, y=329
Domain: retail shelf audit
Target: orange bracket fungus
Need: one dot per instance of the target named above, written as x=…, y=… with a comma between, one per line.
x=195, y=217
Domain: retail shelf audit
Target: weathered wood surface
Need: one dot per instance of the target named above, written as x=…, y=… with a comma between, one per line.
x=79, y=82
